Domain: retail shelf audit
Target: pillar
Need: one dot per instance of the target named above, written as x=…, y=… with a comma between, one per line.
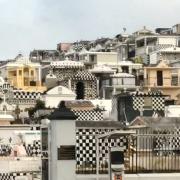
x=69, y=83
x=39, y=76
x=62, y=139
x=104, y=93
x=97, y=86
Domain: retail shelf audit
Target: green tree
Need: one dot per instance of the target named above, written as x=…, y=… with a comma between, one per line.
x=138, y=59
x=39, y=105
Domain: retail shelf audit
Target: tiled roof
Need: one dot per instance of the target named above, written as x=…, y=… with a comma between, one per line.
x=66, y=63
x=83, y=75
x=79, y=105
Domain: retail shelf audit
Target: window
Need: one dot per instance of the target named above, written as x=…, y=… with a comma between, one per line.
x=125, y=69
x=174, y=80
x=92, y=58
x=117, y=81
x=60, y=90
x=20, y=72
x=32, y=73
x=159, y=78
x=4, y=108
x=106, y=82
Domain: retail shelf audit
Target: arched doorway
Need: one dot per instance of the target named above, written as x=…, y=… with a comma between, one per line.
x=80, y=90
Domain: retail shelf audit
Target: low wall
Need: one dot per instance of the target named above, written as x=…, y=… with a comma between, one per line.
x=163, y=176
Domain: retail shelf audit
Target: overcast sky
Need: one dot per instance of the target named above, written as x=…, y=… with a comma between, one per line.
x=41, y=24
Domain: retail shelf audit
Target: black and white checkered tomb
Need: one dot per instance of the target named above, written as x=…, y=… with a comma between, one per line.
x=89, y=115
x=86, y=146
x=77, y=74
x=12, y=176
x=158, y=101
x=26, y=95
x=33, y=149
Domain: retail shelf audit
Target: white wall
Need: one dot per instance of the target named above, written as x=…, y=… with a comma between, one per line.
x=153, y=58
x=53, y=101
x=28, y=136
x=167, y=40
x=172, y=111
x=160, y=176
x=107, y=58
x=62, y=132
x=57, y=94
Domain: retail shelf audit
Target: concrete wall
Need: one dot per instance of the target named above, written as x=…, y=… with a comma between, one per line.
x=168, y=176
x=164, y=176
x=107, y=58
x=62, y=133
x=152, y=77
x=53, y=101
x=167, y=40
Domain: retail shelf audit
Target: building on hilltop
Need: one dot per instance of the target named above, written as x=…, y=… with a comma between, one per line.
x=23, y=74
x=44, y=56
x=162, y=77
x=71, y=74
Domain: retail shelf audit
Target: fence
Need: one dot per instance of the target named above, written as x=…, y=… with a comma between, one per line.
x=149, y=151
x=154, y=153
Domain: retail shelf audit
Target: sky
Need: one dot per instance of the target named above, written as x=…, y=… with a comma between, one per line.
x=42, y=24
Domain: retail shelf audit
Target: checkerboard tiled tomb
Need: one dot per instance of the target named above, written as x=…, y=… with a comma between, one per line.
x=71, y=76
x=86, y=146
x=12, y=176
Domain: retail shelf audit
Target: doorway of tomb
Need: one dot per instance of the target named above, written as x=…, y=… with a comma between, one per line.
x=80, y=90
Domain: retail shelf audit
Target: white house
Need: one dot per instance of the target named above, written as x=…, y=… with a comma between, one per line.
x=53, y=97
x=171, y=55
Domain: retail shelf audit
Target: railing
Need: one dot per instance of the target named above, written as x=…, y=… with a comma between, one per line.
x=146, y=153
x=155, y=153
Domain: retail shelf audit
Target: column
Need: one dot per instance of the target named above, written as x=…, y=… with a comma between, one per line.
x=145, y=42
x=104, y=93
x=178, y=77
x=130, y=70
x=18, y=80
x=69, y=83
x=98, y=87
x=114, y=90
x=39, y=78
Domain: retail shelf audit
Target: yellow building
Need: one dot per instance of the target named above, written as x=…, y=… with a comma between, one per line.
x=164, y=78
x=23, y=74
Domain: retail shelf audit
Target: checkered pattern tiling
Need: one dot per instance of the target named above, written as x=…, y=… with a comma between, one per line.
x=6, y=176
x=90, y=90
x=158, y=103
x=33, y=149
x=170, y=141
x=5, y=149
x=76, y=75
x=138, y=103
x=12, y=176
x=35, y=128
x=26, y=95
x=86, y=146
x=84, y=75
x=89, y=115
x=18, y=174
